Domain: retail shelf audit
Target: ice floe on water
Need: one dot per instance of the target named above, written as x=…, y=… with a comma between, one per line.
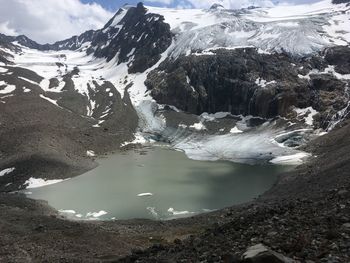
x=72, y=214
x=179, y=213
x=144, y=194
x=39, y=182
x=139, y=139
x=67, y=211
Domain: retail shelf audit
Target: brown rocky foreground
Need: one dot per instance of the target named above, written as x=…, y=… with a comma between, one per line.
x=305, y=217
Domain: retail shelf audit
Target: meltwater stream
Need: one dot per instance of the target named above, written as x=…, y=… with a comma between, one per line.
x=156, y=183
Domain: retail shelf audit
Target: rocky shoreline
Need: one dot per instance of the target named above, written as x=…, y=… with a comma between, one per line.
x=305, y=216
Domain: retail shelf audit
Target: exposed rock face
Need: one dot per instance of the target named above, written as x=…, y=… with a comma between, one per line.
x=340, y=57
x=340, y=1
x=246, y=82
x=138, y=36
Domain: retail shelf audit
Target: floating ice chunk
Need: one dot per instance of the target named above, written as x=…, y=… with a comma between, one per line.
x=26, y=90
x=7, y=171
x=177, y=213
x=96, y=214
x=198, y=126
x=144, y=194
x=139, y=139
x=235, y=130
x=294, y=159
x=67, y=211
x=38, y=182
x=213, y=116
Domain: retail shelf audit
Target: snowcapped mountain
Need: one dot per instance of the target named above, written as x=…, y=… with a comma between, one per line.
x=199, y=79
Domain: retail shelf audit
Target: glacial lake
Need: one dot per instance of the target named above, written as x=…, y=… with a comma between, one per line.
x=156, y=183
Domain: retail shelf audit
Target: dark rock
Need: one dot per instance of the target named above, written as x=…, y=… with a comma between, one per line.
x=339, y=56
x=140, y=42
x=340, y=1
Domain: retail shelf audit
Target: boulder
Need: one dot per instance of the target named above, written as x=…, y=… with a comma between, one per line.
x=261, y=254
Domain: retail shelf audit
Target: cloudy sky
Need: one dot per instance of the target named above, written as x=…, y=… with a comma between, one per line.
x=47, y=21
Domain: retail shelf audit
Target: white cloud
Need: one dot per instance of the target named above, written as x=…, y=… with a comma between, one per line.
x=50, y=20
x=5, y=29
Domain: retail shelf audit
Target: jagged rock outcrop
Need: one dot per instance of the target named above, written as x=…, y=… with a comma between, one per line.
x=244, y=81
x=138, y=38
x=340, y=57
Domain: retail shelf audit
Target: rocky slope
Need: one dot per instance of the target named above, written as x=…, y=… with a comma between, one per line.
x=248, y=85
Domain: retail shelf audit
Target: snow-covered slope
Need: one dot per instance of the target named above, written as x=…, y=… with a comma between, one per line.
x=298, y=30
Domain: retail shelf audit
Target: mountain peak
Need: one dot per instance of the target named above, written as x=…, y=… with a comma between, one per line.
x=217, y=6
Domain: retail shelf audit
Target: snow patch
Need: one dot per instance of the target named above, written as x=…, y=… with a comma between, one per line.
x=198, y=126
x=8, y=88
x=38, y=182
x=235, y=130
x=50, y=100
x=7, y=171
x=90, y=153
x=307, y=113
x=263, y=83
x=139, y=139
